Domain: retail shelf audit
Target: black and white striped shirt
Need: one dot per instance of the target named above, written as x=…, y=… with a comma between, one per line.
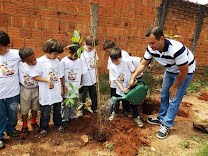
x=175, y=54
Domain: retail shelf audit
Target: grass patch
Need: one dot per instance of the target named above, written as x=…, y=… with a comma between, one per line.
x=203, y=151
x=197, y=85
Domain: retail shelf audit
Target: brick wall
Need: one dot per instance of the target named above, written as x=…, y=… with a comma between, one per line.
x=32, y=22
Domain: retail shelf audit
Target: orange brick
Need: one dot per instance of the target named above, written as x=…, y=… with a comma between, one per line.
x=5, y=20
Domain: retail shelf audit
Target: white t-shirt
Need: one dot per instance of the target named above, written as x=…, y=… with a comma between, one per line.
x=9, y=77
x=24, y=75
x=51, y=70
x=122, y=73
x=124, y=55
x=88, y=59
x=136, y=61
x=73, y=70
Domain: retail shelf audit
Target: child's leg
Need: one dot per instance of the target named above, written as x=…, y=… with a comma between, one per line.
x=135, y=110
x=45, y=117
x=84, y=91
x=35, y=106
x=93, y=97
x=65, y=112
x=57, y=120
x=113, y=92
x=125, y=105
x=11, y=110
x=3, y=117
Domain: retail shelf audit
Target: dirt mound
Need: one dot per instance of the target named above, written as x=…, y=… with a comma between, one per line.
x=204, y=96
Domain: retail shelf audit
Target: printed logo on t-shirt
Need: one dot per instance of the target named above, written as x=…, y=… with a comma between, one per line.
x=121, y=78
x=53, y=76
x=72, y=75
x=5, y=70
x=91, y=63
x=28, y=81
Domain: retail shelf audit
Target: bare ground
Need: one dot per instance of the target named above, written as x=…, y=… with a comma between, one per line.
x=122, y=135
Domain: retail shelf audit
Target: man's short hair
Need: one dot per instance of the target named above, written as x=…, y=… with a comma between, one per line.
x=156, y=31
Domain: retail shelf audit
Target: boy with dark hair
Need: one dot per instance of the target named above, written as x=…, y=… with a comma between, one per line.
x=73, y=70
x=120, y=73
x=89, y=58
x=108, y=46
x=9, y=87
x=28, y=90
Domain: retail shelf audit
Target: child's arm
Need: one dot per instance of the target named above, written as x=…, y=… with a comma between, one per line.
x=41, y=79
x=125, y=90
x=64, y=88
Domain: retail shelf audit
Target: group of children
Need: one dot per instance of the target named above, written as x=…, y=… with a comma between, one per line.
x=42, y=83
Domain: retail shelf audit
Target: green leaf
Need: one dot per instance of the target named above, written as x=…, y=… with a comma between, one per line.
x=76, y=34
x=80, y=106
x=71, y=85
x=75, y=40
x=70, y=93
x=79, y=51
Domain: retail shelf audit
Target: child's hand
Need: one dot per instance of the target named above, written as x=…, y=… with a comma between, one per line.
x=50, y=85
x=125, y=90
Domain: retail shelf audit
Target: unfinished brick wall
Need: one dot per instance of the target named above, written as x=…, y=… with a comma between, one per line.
x=181, y=20
x=32, y=22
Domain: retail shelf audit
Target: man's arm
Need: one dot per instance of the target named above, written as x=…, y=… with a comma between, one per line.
x=181, y=76
x=142, y=66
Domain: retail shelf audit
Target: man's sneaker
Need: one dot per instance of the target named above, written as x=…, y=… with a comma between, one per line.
x=113, y=116
x=2, y=145
x=13, y=133
x=24, y=133
x=154, y=121
x=80, y=113
x=138, y=122
x=163, y=132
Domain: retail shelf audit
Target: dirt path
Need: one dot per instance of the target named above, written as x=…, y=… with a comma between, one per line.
x=123, y=137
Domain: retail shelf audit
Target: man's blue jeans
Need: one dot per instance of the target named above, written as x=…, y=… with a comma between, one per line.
x=8, y=114
x=170, y=107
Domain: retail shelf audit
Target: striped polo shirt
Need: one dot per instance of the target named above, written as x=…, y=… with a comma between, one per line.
x=175, y=54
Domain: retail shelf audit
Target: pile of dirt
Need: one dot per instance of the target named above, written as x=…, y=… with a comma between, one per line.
x=204, y=96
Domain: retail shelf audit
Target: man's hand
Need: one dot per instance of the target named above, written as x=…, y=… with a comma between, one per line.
x=172, y=92
x=131, y=82
x=50, y=84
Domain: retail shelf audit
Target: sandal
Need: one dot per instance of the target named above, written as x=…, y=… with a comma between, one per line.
x=61, y=129
x=43, y=133
x=35, y=127
x=24, y=133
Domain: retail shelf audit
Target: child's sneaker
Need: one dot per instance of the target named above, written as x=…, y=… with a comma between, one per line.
x=35, y=127
x=79, y=113
x=113, y=116
x=13, y=133
x=163, y=132
x=24, y=133
x=61, y=129
x=2, y=144
x=154, y=121
x=138, y=122
x=43, y=133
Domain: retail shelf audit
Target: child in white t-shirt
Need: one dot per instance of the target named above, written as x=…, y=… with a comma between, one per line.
x=89, y=58
x=108, y=46
x=73, y=70
x=9, y=87
x=120, y=72
x=28, y=90
x=48, y=73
